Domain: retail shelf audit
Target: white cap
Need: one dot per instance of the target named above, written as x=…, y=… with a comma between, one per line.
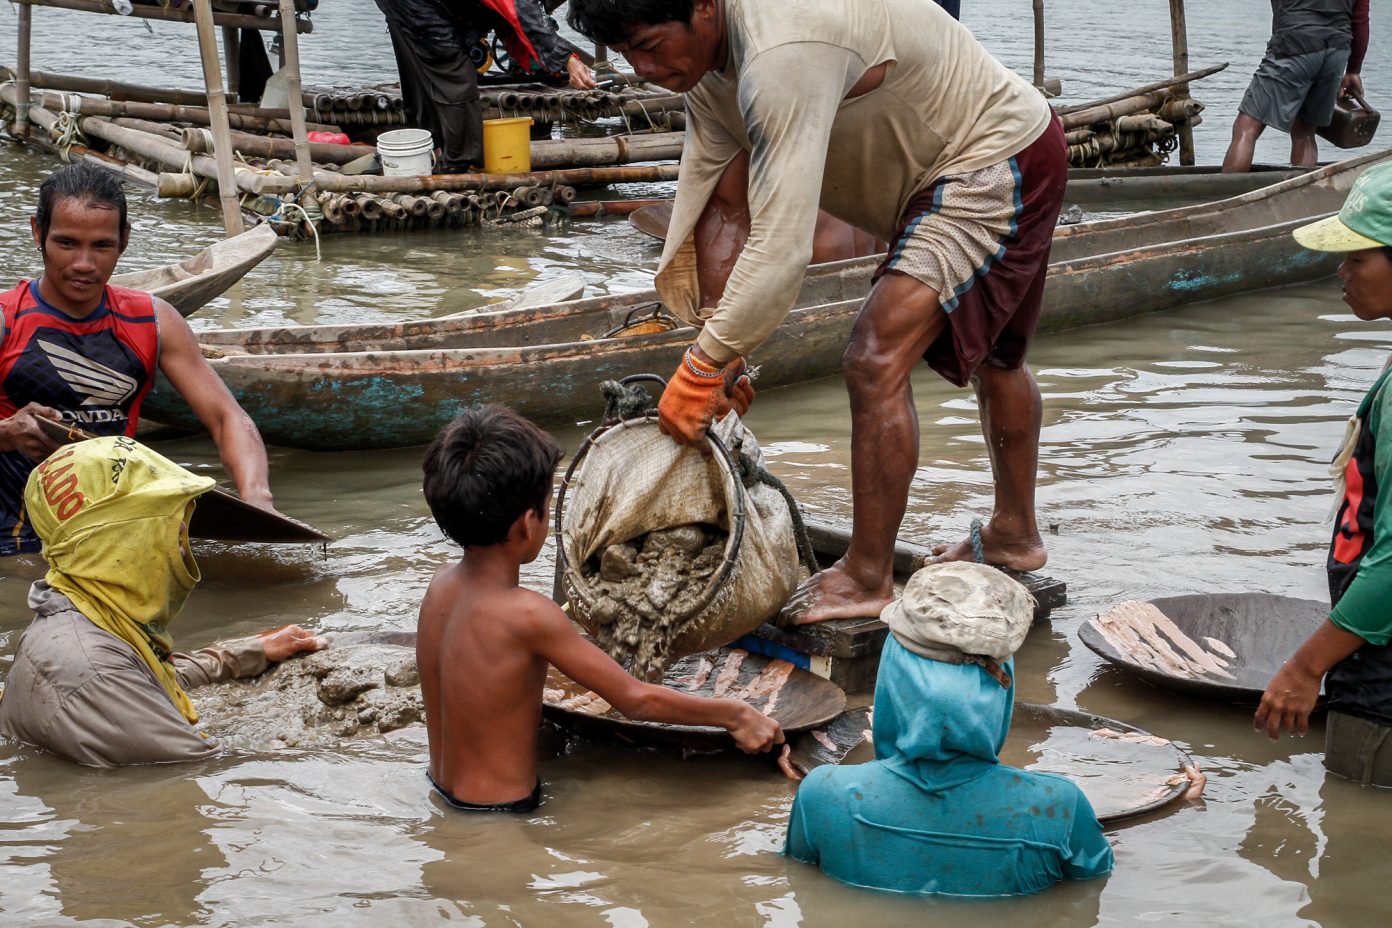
x=955, y=610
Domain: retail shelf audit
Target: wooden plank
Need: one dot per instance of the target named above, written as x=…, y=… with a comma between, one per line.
x=1179, y=38
x=141, y=11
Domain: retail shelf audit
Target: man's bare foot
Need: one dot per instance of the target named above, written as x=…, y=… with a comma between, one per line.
x=1016, y=554
x=834, y=594
x=286, y=642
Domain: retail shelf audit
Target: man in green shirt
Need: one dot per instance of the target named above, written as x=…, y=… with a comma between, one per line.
x=1350, y=651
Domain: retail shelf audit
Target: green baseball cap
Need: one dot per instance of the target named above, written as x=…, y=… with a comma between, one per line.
x=1364, y=222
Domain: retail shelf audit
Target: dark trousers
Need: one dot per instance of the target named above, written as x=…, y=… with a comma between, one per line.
x=439, y=84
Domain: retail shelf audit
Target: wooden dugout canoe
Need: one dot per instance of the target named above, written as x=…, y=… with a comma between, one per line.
x=1112, y=189
x=191, y=284
x=353, y=387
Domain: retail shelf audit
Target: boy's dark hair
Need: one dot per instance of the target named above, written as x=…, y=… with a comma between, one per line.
x=91, y=185
x=609, y=22
x=485, y=469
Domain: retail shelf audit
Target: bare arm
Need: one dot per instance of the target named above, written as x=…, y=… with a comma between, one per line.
x=1290, y=697
x=557, y=641
x=239, y=443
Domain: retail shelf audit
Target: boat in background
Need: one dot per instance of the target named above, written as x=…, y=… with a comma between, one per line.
x=318, y=387
x=191, y=284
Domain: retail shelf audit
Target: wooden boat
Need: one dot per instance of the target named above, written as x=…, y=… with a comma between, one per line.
x=1222, y=646
x=346, y=387
x=190, y=284
x=1116, y=189
x=1126, y=188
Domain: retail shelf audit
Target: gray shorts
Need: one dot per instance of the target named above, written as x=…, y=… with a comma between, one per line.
x=1304, y=87
x=1358, y=750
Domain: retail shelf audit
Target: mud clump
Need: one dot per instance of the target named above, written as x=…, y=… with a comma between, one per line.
x=319, y=700
x=646, y=590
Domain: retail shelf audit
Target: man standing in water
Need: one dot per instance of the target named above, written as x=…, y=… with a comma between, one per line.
x=1352, y=650
x=1313, y=58
x=891, y=116
x=75, y=349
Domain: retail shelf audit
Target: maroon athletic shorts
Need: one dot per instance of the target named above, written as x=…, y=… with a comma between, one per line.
x=981, y=240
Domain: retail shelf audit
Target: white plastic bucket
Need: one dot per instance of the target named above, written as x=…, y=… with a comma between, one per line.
x=405, y=152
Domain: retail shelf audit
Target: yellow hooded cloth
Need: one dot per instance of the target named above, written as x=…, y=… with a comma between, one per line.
x=113, y=516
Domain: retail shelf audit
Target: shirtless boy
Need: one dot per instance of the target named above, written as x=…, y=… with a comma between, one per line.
x=484, y=642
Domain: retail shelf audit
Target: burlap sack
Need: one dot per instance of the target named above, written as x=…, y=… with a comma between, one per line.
x=631, y=480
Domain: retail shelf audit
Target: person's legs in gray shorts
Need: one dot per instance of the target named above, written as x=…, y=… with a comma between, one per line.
x=1303, y=87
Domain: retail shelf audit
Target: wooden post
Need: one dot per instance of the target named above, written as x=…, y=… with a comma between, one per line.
x=1039, y=43
x=231, y=50
x=21, y=123
x=290, y=48
x=1179, y=35
x=217, y=108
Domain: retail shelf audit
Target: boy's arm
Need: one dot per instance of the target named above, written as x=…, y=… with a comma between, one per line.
x=555, y=639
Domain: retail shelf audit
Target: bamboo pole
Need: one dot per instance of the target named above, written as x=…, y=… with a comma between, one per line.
x=1148, y=88
x=158, y=129
x=1179, y=37
x=619, y=149
x=198, y=139
x=340, y=183
x=290, y=51
x=248, y=118
x=26, y=20
x=175, y=158
x=217, y=107
x=116, y=90
x=1109, y=111
x=144, y=11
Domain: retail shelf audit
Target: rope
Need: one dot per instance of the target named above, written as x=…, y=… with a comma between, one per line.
x=752, y=473
x=67, y=134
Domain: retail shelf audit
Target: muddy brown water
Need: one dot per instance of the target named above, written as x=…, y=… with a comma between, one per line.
x=1183, y=452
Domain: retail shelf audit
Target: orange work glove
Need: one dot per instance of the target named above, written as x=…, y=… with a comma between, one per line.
x=699, y=394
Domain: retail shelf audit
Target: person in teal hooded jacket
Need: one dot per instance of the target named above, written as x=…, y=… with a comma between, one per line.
x=936, y=812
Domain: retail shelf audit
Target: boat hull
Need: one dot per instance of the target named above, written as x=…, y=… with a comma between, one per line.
x=385, y=398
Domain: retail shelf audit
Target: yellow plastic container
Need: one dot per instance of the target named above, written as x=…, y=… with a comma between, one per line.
x=507, y=145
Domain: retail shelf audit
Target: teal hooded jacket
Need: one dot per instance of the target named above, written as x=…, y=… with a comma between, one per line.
x=936, y=812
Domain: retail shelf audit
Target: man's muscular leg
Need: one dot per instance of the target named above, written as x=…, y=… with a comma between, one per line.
x=1011, y=416
x=1245, y=132
x=898, y=322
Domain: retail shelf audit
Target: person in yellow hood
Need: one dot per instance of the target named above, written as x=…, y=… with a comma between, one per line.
x=96, y=678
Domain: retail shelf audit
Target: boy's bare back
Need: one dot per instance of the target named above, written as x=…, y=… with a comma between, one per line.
x=482, y=682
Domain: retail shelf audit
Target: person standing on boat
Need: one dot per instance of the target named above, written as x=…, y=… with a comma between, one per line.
x=439, y=81
x=892, y=117
x=1314, y=57
x=1352, y=650
x=75, y=349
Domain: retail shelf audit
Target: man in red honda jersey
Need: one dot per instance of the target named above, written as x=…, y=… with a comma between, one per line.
x=75, y=349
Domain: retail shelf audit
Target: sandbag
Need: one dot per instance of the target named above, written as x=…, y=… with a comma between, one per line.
x=628, y=480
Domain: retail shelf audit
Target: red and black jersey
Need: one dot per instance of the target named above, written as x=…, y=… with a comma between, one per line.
x=96, y=371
